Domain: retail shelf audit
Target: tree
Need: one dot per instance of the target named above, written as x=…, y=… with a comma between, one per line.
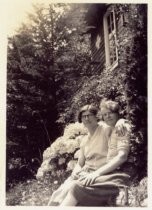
x=45, y=58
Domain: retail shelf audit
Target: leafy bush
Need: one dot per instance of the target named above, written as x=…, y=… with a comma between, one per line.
x=31, y=192
x=19, y=169
x=138, y=194
x=127, y=83
x=56, y=158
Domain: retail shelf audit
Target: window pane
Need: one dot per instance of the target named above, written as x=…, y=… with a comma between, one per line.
x=110, y=40
x=111, y=14
x=108, y=20
x=112, y=21
x=112, y=26
x=109, y=30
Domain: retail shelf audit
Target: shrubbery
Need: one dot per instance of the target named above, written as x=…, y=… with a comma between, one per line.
x=127, y=83
x=58, y=159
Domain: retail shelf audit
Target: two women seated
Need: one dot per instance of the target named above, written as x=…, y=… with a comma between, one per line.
x=100, y=170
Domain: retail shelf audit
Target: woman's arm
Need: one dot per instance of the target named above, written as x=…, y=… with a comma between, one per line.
x=79, y=165
x=122, y=147
x=114, y=163
x=122, y=144
x=122, y=127
x=107, y=168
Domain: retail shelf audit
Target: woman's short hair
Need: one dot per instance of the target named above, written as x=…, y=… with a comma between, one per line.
x=113, y=106
x=91, y=108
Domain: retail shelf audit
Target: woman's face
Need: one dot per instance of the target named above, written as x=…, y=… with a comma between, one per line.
x=88, y=119
x=109, y=117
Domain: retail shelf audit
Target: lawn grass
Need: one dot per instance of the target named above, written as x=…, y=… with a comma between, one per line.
x=31, y=193
x=34, y=192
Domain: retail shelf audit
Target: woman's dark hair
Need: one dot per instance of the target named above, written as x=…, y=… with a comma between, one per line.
x=91, y=108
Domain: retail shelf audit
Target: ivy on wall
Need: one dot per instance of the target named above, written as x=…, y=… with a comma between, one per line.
x=127, y=83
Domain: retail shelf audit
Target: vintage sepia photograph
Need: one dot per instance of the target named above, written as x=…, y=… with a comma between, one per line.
x=76, y=104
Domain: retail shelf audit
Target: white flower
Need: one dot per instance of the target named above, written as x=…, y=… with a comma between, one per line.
x=74, y=129
x=10, y=166
x=55, y=182
x=65, y=144
x=48, y=153
x=39, y=174
x=61, y=161
x=72, y=145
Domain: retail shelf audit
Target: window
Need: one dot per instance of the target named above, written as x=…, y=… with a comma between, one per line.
x=110, y=40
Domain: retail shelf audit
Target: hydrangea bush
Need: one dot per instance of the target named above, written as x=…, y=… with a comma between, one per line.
x=60, y=157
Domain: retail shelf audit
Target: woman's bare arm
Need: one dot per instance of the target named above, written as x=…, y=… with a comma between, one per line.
x=80, y=163
x=107, y=168
x=117, y=161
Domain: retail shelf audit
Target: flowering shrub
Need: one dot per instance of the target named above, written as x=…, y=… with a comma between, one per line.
x=74, y=129
x=59, y=157
x=138, y=194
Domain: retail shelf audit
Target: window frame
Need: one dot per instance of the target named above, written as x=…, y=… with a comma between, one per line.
x=106, y=39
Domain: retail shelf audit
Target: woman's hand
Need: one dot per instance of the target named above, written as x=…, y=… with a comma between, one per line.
x=89, y=178
x=75, y=175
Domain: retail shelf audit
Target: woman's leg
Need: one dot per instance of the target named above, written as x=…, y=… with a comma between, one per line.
x=70, y=199
x=52, y=200
x=59, y=195
x=80, y=195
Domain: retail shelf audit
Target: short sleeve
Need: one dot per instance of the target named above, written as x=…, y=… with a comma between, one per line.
x=124, y=142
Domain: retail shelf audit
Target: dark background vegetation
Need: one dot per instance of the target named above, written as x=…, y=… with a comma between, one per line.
x=49, y=77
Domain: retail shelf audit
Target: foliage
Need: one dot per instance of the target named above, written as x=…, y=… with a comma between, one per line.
x=49, y=77
x=45, y=58
x=138, y=194
x=135, y=81
x=31, y=107
x=38, y=192
x=106, y=85
x=58, y=157
x=127, y=83
x=27, y=193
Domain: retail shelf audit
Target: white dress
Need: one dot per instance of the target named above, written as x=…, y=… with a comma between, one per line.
x=95, y=150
